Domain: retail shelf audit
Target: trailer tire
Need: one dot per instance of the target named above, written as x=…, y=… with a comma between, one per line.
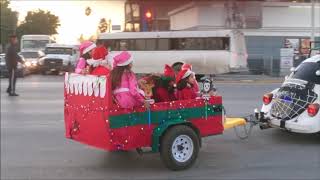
x=179, y=148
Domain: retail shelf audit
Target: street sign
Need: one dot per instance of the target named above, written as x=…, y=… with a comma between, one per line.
x=286, y=60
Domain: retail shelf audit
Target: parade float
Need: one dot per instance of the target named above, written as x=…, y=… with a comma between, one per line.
x=174, y=129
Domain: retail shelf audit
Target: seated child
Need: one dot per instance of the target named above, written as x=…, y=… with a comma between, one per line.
x=124, y=83
x=165, y=86
x=85, y=54
x=99, y=61
x=147, y=84
x=195, y=84
x=185, y=83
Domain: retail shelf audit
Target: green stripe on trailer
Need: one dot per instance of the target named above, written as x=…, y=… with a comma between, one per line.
x=142, y=118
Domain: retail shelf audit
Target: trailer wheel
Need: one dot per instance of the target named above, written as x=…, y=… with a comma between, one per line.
x=179, y=147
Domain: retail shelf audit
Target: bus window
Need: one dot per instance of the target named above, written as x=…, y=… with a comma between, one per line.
x=112, y=44
x=163, y=44
x=182, y=44
x=150, y=44
x=217, y=44
x=226, y=43
x=140, y=45
x=174, y=44
x=124, y=45
x=58, y=50
x=195, y=44
x=34, y=43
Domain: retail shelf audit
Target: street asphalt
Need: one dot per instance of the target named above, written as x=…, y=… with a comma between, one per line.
x=33, y=145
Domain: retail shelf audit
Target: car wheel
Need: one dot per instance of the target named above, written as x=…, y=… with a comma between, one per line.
x=179, y=147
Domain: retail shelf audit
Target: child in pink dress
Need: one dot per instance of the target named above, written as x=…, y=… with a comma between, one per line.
x=85, y=53
x=124, y=82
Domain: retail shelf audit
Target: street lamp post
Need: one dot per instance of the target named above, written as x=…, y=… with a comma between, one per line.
x=312, y=21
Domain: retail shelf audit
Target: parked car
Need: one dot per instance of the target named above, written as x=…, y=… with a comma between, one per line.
x=58, y=58
x=295, y=105
x=32, y=60
x=21, y=69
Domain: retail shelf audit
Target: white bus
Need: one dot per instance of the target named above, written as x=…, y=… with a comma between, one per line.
x=35, y=42
x=209, y=52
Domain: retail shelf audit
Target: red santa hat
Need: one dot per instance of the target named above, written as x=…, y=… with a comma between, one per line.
x=86, y=46
x=186, y=66
x=122, y=59
x=183, y=74
x=99, y=53
x=168, y=71
x=98, y=56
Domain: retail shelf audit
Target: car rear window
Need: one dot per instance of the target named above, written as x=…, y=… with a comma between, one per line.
x=307, y=71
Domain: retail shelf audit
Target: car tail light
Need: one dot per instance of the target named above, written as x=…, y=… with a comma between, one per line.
x=313, y=109
x=267, y=98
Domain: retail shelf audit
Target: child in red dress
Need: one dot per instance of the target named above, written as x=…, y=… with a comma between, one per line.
x=195, y=83
x=164, y=86
x=99, y=61
x=185, y=85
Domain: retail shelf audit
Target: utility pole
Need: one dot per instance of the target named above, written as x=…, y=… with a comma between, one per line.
x=312, y=21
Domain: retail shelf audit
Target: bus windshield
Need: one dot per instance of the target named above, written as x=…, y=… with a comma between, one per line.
x=58, y=50
x=34, y=44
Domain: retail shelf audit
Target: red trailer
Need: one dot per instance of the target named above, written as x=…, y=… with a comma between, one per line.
x=172, y=128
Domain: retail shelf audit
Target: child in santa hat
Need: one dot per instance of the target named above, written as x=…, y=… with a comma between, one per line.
x=99, y=61
x=85, y=53
x=185, y=82
x=195, y=83
x=164, y=89
x=124, y=83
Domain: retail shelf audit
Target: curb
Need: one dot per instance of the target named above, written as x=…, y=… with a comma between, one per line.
x=248, y=81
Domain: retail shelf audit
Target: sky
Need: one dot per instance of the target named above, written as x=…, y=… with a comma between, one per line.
x=72, y=16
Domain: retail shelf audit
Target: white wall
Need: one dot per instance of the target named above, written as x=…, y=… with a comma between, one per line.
x=275, y=16
x=211, y=16
x=185, y=19
x=299, y=16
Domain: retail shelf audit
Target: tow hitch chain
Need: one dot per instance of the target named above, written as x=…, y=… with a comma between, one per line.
x=253, y=120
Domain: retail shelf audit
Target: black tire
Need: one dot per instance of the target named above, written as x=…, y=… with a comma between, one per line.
x=168, y=141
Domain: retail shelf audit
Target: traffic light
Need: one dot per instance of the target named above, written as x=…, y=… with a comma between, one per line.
x=148, y=19
x=148, y=15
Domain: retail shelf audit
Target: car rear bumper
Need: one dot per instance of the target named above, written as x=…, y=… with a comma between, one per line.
x=294, y=126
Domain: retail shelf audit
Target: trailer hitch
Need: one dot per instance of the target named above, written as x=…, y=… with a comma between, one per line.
x=252, y=120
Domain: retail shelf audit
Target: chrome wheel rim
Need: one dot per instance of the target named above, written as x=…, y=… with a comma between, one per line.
x=182, y=148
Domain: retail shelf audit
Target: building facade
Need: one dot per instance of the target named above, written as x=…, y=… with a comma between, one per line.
x=268, y=26
x=149, y=15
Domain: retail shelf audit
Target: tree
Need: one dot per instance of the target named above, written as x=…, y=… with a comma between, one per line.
x=9, y=20
x=39, y=22
x=103, y=25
